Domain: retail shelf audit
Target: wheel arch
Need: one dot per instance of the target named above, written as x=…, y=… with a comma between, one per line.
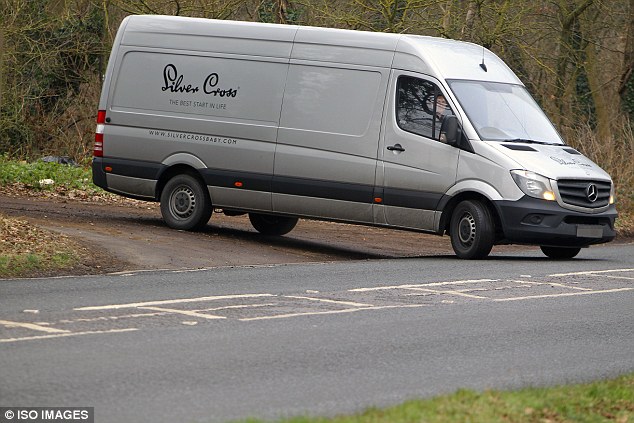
x=176, y=164
x=177, y=169
x=447, y=211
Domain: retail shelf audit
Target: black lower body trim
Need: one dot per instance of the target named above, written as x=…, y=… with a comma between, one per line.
x=98, y=173
x=331, y=190
x=533, y=221
x=315, y=188
x=228, y=179
x=420, y=200
x=124, y=167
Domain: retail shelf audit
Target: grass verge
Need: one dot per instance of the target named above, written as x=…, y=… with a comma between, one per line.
x=40, y=175
x=26, y=250
x=39, y=179
x=603, y=401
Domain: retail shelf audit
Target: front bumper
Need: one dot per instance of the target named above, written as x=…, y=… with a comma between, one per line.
x=534, y=221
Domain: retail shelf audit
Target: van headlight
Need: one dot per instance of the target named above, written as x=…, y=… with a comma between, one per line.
x=533, y=185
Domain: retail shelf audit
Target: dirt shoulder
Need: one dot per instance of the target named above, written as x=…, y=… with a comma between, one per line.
x=130, y=235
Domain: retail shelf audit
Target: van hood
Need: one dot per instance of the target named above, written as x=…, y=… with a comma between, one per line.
x=551, y=161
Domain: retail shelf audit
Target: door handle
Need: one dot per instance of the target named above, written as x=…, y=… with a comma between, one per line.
x=396, y=147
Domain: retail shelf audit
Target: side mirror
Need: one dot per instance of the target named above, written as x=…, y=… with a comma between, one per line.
x=449, y=130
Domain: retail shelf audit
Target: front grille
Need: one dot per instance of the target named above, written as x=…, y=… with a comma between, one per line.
x=575, y=192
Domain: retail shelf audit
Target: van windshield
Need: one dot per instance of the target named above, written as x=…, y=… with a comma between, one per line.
x=504, y=112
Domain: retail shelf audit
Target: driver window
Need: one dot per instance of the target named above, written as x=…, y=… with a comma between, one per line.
x=420, y=107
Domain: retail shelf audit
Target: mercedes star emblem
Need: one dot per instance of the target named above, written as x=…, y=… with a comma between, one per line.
x=592, y=193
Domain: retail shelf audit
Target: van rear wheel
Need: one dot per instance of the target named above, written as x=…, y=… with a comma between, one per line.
x=560, y=253
x=185, y=203
x=267, y=224
x=472, y=230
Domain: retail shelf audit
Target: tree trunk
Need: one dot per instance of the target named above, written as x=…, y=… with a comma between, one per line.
x=1, y=65
x=467, y=30
x=446, y=18
x=568, y=19
x=626, y=89
x=282, y=10
x=602, y=107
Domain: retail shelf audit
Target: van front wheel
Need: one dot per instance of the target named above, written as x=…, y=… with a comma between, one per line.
x=185, y=203
x=471, y=230
x=267, y=224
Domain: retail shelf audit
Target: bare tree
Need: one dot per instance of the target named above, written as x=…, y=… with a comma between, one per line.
x=213, y=9
x=626, y=87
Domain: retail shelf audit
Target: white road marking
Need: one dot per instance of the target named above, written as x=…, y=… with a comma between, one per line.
x=591, y=272
x=421, y=285
x=184, y=312
x=324, y=300
x=461, y=288
x=316, y=313
x=102, y=318
x=232, y=307
x=137, y=272
x=64, y=335
x=32, y=326
x=619, y=277
x=456, y=292
x=560, y=285
x=175, y=301
x=566, y=294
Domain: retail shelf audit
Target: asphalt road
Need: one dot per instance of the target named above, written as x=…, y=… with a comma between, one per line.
x=320, y=339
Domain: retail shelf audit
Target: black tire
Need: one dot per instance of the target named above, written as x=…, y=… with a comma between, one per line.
x=472, y=230
x=560, y=253
x=185, y=203
x=267, y=224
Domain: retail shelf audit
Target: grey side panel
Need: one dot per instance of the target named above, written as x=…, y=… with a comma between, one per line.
x=207, y=87
x=207, y=35
x=240, y=199
x=322, y=208
x=403, y=217
x=341, y=46
x=329, y=132
x=217, y=152
x=222, y=110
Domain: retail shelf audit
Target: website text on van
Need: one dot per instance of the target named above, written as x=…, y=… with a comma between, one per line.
x=392, y=130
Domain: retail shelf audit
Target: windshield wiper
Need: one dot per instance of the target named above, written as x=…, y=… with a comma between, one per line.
x=527, y=141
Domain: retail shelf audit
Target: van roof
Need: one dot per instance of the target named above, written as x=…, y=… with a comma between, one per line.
x=438, y=57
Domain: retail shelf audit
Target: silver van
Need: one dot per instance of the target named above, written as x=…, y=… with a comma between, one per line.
x=392, y=130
